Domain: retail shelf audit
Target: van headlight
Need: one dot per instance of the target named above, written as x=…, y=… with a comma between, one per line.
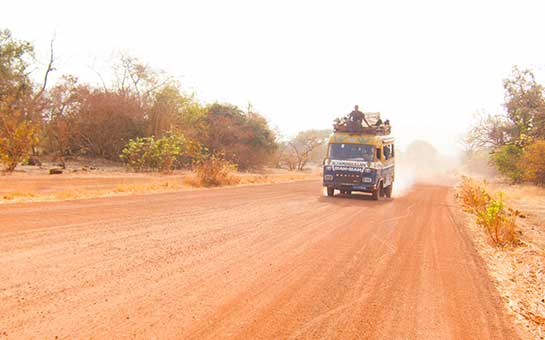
x=328, y=168
x=368, y=170
x=367, y=180
x=328, y=177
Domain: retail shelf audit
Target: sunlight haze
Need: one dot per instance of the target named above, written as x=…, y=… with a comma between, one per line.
x=426, y=65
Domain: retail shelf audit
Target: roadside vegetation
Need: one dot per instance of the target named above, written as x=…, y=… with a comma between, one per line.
x=507, y=215
x=141, y=118
x=491, y=213
x=514, y=140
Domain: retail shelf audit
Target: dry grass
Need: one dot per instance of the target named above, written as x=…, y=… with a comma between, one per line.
x=25, y=187
x=518, y=272
x=143, y=188
x=17, y=195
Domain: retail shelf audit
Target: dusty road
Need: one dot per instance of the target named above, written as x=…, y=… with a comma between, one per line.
x=272, y=261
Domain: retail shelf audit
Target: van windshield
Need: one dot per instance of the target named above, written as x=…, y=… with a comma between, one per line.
x=352, y=152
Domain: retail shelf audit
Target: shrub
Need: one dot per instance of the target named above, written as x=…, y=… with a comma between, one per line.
x=491, y=212
x=498, y=221
x=142, y=154
x=533, y=162
x=474, y=197
x=507, y=161
x=16, y=144
x=214, y=170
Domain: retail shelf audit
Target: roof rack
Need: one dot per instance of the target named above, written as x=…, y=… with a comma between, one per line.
x=346, y=125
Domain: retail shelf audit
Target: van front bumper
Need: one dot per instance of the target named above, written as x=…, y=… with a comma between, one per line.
x=350, y=187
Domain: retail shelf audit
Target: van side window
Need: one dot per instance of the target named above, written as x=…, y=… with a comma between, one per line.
x=378, y=153
x=387, y=152
x=393, y=151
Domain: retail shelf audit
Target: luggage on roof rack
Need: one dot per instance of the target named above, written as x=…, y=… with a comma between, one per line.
x=376, y=127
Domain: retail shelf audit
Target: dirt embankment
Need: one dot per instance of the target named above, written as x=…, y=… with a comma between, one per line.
x=270, y=261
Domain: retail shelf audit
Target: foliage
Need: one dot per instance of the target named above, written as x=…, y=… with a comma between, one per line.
x=507, y=161
x=19, y=109
x=73, y=119
x=533, y=162
x=244, y=138
x=214, y=170
x=509, y=135
x=16, y=140
x=104, y=122
x=15, y=57
x=62, y=110
x=474, y=197
x=525, y=104
x=491, y=213
x=147, y=153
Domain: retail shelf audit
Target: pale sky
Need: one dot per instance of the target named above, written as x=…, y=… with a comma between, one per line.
x=426, y=65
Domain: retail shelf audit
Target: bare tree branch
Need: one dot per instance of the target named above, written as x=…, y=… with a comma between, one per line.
x=48, y=70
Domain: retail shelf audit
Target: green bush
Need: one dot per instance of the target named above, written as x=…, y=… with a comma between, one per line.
x=507, y=161
x=149, y=154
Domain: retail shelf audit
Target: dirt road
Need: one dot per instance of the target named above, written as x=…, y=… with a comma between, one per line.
x=272, y=261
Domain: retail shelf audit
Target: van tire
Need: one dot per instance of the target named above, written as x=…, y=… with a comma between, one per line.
x=378, y=193
x=330, y=191
x=388, y=190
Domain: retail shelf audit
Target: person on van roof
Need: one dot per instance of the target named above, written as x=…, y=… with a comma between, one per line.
x=358, y=117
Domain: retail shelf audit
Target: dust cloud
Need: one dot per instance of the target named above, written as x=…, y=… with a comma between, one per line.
x=422, y=163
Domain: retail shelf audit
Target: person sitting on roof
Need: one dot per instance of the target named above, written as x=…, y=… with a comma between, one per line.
x=358, y=117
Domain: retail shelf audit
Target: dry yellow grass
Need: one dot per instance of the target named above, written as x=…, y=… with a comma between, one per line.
x=32, y=188
x=16, y=195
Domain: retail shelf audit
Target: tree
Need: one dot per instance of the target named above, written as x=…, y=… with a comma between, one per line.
x=508, y=135
x=298, y=151
x=105, y=122
x=21, y=101
x=63, y=107
x=525, y=104
x=135, y=79
x=244, y=138
x=489, y=132
x=507, y=161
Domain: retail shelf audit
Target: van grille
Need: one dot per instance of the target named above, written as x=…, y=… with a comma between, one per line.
x=347, y=178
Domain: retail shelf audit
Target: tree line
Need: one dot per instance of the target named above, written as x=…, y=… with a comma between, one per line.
x=514, y=139
x=142, y=117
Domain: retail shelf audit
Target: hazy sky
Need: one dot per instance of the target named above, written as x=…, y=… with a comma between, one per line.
x=426, y=65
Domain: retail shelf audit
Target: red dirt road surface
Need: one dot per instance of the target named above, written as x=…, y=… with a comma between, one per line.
x=272, y=261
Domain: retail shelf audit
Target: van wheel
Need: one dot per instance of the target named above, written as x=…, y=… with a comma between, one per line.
x=378, y=192
x=330, y=191
x=388, y=190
